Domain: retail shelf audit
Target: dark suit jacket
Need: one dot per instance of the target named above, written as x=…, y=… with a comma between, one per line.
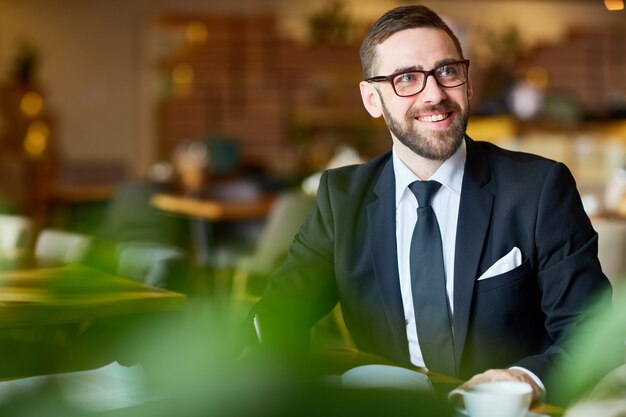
x=346, y=252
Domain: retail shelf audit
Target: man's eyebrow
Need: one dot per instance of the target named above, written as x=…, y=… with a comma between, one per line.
x=407, y=69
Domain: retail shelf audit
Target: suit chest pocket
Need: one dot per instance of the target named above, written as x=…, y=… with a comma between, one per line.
x=514, y=278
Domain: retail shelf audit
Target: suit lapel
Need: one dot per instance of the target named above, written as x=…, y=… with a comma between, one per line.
x=381, y=214
x=473, y=222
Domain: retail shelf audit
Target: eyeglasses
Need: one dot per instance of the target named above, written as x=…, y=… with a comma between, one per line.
x=409, y=83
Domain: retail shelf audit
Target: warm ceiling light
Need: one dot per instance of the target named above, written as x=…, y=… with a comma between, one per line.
x=196, y=32
x=614, y=4
x=36, y=140
x=182, y=76
x=183, y=73
x=31, y=104
x=537, y=77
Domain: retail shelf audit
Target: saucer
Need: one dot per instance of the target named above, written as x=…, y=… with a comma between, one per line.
x=385, y=376
x=529, y=414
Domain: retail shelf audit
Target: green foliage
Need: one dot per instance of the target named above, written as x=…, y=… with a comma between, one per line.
x=597, y=348
x=332, y=25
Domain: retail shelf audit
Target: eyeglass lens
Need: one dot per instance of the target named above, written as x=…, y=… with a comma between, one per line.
x=448, y=75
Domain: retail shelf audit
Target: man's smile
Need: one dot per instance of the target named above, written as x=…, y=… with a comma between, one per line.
x=433, y=117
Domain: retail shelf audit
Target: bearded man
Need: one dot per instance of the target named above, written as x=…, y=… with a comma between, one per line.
x=446, y=254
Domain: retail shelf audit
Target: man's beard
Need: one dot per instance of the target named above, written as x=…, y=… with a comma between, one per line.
x=422, y=141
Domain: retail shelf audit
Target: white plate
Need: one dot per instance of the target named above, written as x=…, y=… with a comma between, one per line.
x=385, y=376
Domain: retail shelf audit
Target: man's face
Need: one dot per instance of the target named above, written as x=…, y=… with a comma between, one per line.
x=431, y=123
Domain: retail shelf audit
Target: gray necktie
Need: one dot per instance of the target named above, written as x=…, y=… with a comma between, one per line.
x=428, y=284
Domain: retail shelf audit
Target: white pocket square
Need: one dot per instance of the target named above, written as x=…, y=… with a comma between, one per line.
x=507, y=263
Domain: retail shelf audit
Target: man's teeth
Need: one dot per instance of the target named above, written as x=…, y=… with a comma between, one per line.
x=433, y=118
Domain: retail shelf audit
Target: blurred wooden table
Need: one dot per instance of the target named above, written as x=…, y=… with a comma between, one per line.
x=212, y=209
x=203, y=212
x=75, y=294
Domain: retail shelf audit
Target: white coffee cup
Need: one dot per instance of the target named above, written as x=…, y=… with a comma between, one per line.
x=493, y=399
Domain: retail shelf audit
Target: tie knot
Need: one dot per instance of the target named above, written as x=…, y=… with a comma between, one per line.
x=424, y=191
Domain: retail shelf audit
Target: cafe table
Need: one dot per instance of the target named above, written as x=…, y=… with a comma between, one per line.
x=203, y=212
x=75, y=294
x=339, y=361
x=73, y=317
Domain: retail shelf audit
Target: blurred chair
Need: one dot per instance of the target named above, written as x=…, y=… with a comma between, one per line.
x=59, y=247
x=226, y=240
x=138, y=241
x=156, y=264
x=129, y=217
x=611, y=248
x=285, y=218
x=286, y=215
x=16, y=237
x=225, y=155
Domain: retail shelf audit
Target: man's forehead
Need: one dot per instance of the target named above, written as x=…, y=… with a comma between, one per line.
x=417, y=47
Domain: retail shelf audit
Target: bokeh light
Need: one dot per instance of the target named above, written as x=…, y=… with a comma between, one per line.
x=196, y=32
x=31, y=104
x=36, y=140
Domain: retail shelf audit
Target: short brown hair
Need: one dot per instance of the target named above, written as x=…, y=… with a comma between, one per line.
x=396, y=20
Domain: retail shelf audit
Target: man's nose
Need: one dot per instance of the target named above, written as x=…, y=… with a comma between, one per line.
x=432, y=92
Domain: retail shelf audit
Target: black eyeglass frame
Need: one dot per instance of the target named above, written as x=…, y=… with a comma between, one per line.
x=389, y=78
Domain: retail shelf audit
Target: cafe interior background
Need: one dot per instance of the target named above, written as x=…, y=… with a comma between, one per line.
x=196, y=129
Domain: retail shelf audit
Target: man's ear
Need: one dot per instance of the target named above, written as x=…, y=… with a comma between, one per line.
x=371, y=99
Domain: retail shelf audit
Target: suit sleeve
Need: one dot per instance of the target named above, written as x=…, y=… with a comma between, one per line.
x=303, y=290
x=569, y=272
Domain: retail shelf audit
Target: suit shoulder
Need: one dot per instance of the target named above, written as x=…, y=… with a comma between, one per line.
x=517, y=160
x=515, y=170
x=356, y=185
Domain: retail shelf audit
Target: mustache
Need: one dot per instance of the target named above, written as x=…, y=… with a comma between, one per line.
x=443, y=107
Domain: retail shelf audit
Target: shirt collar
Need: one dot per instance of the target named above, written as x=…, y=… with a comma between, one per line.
x=449, y=174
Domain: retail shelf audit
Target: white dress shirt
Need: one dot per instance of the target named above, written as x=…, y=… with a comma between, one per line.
x=445, y=204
